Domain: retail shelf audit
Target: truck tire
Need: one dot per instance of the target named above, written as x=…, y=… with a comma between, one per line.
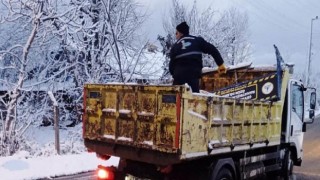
x=224, y=174
x=120, y=176
x=287, y=166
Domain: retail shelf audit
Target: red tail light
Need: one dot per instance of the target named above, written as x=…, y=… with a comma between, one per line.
x=105, y=173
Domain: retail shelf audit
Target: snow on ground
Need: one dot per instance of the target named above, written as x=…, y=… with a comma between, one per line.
x=20, y=167
x=24, y=165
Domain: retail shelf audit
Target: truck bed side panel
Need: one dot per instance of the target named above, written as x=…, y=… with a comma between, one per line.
x=216, y=123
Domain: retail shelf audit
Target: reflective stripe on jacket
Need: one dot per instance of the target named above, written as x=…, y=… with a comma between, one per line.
x=186, y=56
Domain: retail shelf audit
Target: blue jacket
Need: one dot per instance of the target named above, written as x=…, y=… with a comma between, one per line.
x=186, y=56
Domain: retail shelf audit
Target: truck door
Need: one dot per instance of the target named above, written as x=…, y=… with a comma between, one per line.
x=296, y=114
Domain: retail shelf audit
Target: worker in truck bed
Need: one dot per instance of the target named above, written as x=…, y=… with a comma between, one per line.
x=186, y=57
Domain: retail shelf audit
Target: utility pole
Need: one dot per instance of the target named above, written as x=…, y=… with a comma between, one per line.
x=56, y=122
x=309, y=62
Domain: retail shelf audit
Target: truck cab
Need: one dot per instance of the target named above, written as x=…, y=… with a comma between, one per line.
x=299, y=112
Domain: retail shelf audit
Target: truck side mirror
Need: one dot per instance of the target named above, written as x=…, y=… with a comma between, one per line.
x=313, y=100
x=311, y=114
x=310, y=119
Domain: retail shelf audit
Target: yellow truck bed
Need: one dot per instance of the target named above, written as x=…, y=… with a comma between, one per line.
x=163, y=124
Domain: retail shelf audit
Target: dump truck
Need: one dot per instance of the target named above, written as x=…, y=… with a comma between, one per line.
x=244, y=124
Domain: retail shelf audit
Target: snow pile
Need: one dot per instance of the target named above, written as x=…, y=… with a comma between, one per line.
x=39, y=141
x=19, y=167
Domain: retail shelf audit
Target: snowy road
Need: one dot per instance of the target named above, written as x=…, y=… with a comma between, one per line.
x=91, y=176
x=305, y=177
x=81, y=176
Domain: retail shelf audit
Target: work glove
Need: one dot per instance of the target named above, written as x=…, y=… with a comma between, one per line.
x=222, y=69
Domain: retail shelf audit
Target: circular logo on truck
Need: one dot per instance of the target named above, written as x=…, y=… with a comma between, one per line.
x=267, y=88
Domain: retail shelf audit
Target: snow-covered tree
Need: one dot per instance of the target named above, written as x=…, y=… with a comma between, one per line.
x=104, y=36
x=231, y=36
x=166, y=43
x=29, y=32
x=59, y=45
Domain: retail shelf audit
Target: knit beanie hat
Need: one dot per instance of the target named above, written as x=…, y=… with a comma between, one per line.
x=183, y=28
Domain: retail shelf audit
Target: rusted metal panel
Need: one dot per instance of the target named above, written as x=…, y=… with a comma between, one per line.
x=195, y=123
x=212, y=81
x=146, y=117
x=216, y=122
x=134, y=115
x=93, y=103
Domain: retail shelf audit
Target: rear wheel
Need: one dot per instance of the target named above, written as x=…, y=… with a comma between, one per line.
x=224, y=174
